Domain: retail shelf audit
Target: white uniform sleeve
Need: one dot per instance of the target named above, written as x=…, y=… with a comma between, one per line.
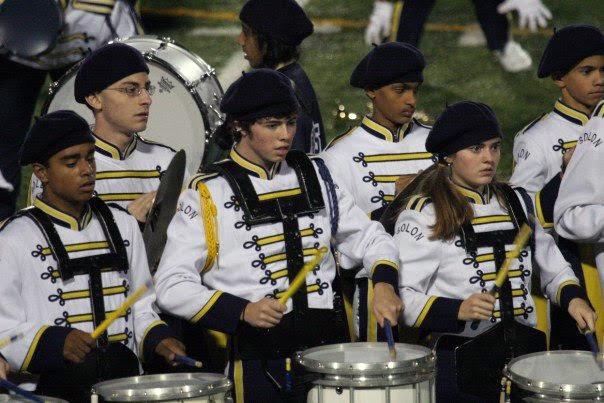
x=420, y=260
x=531, y=170
x=180, y=290
x=365, y=242
x=579, y=209
x=149, y=330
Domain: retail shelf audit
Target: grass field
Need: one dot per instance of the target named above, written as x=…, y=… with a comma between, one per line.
x=453, y=73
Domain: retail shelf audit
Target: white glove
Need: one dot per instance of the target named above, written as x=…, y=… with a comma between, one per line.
x=531, y=13
x=379, y=22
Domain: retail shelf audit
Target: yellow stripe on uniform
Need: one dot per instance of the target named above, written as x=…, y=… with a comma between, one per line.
x=209, y=213
x=32, y=349
x=109, y=197
x=490, y=219
x=206, y=307
x=238, y=379
x=396, y=17
x=153, y=173
x=424, y=312
x=280, y=193
x=397, y=157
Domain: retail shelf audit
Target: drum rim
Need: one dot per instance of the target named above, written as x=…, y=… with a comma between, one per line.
x=45, y=399
x=424, y=364
x=221, y=384
x=551, y=389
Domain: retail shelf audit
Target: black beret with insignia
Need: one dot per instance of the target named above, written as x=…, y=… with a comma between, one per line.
x=461, y=125
x=106, y=66
x=283, y=20
x=568, y=46
x=257, y=94
x=388, y=63
x=52, y=133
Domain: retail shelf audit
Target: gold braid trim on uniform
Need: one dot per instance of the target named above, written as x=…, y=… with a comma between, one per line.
x=208, y=212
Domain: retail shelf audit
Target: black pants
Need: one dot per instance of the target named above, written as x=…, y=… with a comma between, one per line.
x=415, y=13
x=19, y=89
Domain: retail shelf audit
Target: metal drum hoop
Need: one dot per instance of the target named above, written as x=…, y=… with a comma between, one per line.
x=221, y=385
x=550, y=389
x=369, y=375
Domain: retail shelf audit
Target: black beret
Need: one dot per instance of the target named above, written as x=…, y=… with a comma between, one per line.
x=568, y=46
x=258, y=94
x=461, y=125
x=52, y=133
x=105, y=66
x=388, y=63
x=283, y=20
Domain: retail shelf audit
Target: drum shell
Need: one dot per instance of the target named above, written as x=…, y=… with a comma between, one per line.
x=410, y=380
x=15, y=399
x=176, y=387
x=533, y=389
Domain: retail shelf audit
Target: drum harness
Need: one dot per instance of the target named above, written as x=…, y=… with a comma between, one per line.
x=286, y=210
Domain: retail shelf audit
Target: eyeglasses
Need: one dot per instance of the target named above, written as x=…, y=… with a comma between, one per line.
x=134, y=90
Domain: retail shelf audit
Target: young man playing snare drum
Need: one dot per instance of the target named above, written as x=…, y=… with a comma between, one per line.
x=114, y=83
x=66, y=264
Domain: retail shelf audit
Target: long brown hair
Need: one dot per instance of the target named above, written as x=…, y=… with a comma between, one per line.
x=451, y=207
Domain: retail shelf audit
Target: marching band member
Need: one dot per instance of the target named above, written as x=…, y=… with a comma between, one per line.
x=453, y=234
x=368, y=159
x=114, y=83
x=574, y=59
x=248, y=227
x=579, y=210
x=88, y=25
x=271, y=33
x=66, y=263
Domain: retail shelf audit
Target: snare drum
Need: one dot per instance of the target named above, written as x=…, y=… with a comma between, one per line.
x=363, y=372
x=554, y=376
x=185, y=109
x=178, y=387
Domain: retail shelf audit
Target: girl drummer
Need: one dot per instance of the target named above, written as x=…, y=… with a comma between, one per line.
x=455, y=230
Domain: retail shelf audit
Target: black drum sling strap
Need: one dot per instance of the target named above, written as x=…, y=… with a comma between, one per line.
x=479, y=362
x=93, y=266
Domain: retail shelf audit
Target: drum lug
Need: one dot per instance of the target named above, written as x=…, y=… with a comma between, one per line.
x=165, y=40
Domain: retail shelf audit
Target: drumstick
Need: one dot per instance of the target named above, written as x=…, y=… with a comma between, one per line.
x=390, y=339
x=183, y=359
x=19, y=391
x=121, y=310
x=9, y=340
x=301, y=276
x=519, y=243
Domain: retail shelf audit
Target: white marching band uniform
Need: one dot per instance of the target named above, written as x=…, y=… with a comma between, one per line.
x=579, y=209
x=438, y=275
x=86, y=29
x=368, y=160
x=251, y=260
x=539, y=147
x=124, y=177
x=39, y=303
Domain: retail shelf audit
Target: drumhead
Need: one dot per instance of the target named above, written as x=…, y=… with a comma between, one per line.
x=566, y=373
x=184, y=111
x=359, y=359
x=162, y=387
x=15, y=398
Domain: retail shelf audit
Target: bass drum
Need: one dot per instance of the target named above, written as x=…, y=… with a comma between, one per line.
x=185, y=109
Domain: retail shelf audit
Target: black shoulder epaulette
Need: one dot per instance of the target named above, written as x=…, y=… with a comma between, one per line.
x=340, y=137
x=20, y=213
x=417, y=203
x=533, y=123
x=599, y=111
x=154, y=143
x=201, y=177
x=117, y=206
